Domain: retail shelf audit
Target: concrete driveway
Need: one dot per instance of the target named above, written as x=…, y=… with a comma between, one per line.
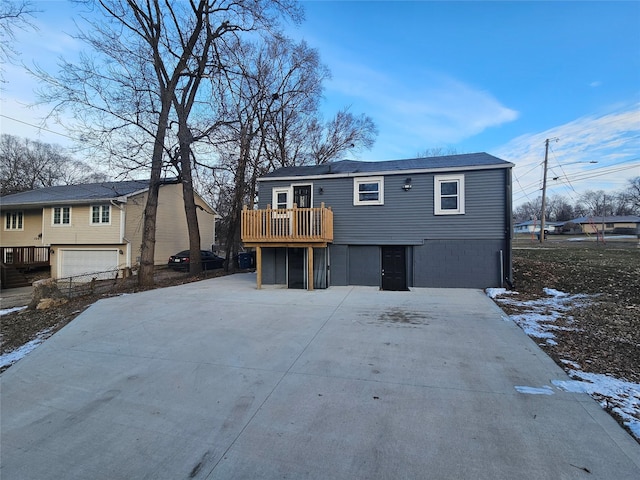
x=217, y=380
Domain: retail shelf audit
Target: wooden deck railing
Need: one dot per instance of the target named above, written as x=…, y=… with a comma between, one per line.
x=287, y=226
x=23, y=257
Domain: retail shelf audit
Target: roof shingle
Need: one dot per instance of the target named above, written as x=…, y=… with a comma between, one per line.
x=345, y=167
x=89, y=192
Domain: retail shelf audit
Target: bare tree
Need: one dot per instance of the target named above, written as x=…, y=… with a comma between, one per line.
x=261, y=82
x=559, y=209
x=437, y=152
x=633, y=194
x=273, y=91
x=151, y=59
x=26, y=165
x=14, y=15
x=343, y=133
x=295, y=75
x=595, y=203
x=528, y=211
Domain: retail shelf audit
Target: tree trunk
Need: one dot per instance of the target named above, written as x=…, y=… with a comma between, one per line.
x=147, y=255
x=195, y=265
x=233, y=234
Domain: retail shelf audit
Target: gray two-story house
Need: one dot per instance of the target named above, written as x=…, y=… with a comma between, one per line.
x=424, y=222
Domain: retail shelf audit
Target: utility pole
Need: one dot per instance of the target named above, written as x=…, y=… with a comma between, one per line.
x=544, y=189
x=604, y=212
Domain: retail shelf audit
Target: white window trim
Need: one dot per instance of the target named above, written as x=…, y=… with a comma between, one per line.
x=356, y=192
x=437, y=205
x=97, y=224
x=274, y=200
x=11, y=212
x=53, y=216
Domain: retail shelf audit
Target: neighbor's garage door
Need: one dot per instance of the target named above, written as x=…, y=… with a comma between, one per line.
x=79, y=262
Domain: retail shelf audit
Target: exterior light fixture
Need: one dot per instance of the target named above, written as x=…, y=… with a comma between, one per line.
x=407, y=184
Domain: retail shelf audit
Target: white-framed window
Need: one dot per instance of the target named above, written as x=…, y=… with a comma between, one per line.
x=448, y=194
x=14, y=221
x=281, y=200
x=61, y=216
x=100, y=214
x=368, y=191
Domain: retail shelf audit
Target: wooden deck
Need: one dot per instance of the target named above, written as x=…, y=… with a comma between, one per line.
x=291, y=227
x=25, y=257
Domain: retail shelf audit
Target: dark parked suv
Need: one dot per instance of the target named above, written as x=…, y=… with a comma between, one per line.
x=210, y=261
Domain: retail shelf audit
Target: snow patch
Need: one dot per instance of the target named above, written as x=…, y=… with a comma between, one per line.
x=11, y=310
x=494, y=292
x=8, y=359
x=546, y=390
x=614, y=394
x=571, y=364
x=540, y=314
x=537, y=320
x=595, y=238
x=554, y=293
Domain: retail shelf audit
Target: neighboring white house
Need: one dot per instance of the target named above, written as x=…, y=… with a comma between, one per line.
x=621, y=224
x=533, y=226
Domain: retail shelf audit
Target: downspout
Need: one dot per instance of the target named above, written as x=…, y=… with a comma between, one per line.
x=123, y=239
x=42, y=230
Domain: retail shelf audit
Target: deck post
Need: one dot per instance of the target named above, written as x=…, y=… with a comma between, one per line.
x=294, y=221
x=258, y=268
x=310, y=268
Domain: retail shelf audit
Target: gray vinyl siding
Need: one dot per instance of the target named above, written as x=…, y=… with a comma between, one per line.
x=407, y=217
x=458, y=263
x=338, y=271
x=274, y=266
x=364, y=265
x=268, y=266
x=461, y=251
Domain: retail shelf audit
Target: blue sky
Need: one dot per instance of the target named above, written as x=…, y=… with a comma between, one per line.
x=498, y=77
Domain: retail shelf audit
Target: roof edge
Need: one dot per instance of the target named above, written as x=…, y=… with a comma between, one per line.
x=392, y=172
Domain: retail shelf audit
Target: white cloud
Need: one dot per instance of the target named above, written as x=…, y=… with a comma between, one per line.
x=611, y=139
x=597, y=83
x=429, y=109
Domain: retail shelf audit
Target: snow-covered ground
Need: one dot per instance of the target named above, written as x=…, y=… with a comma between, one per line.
x=538, y=321
x=594, y=238
x=12, y=357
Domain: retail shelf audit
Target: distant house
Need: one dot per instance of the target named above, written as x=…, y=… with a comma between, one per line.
x=533, y=226
x=78, y=229
x=620, y=224
x=424, y=222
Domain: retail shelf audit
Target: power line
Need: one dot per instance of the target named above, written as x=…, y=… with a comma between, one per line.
x=604, y=170
x=563, y=172
x=36, y=126
x=593, y=173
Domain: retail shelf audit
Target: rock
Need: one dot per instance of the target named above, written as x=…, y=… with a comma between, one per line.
x=44, y=289
x=45, y=303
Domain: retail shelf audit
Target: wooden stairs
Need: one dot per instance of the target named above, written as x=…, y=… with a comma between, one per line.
x=11, y=278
